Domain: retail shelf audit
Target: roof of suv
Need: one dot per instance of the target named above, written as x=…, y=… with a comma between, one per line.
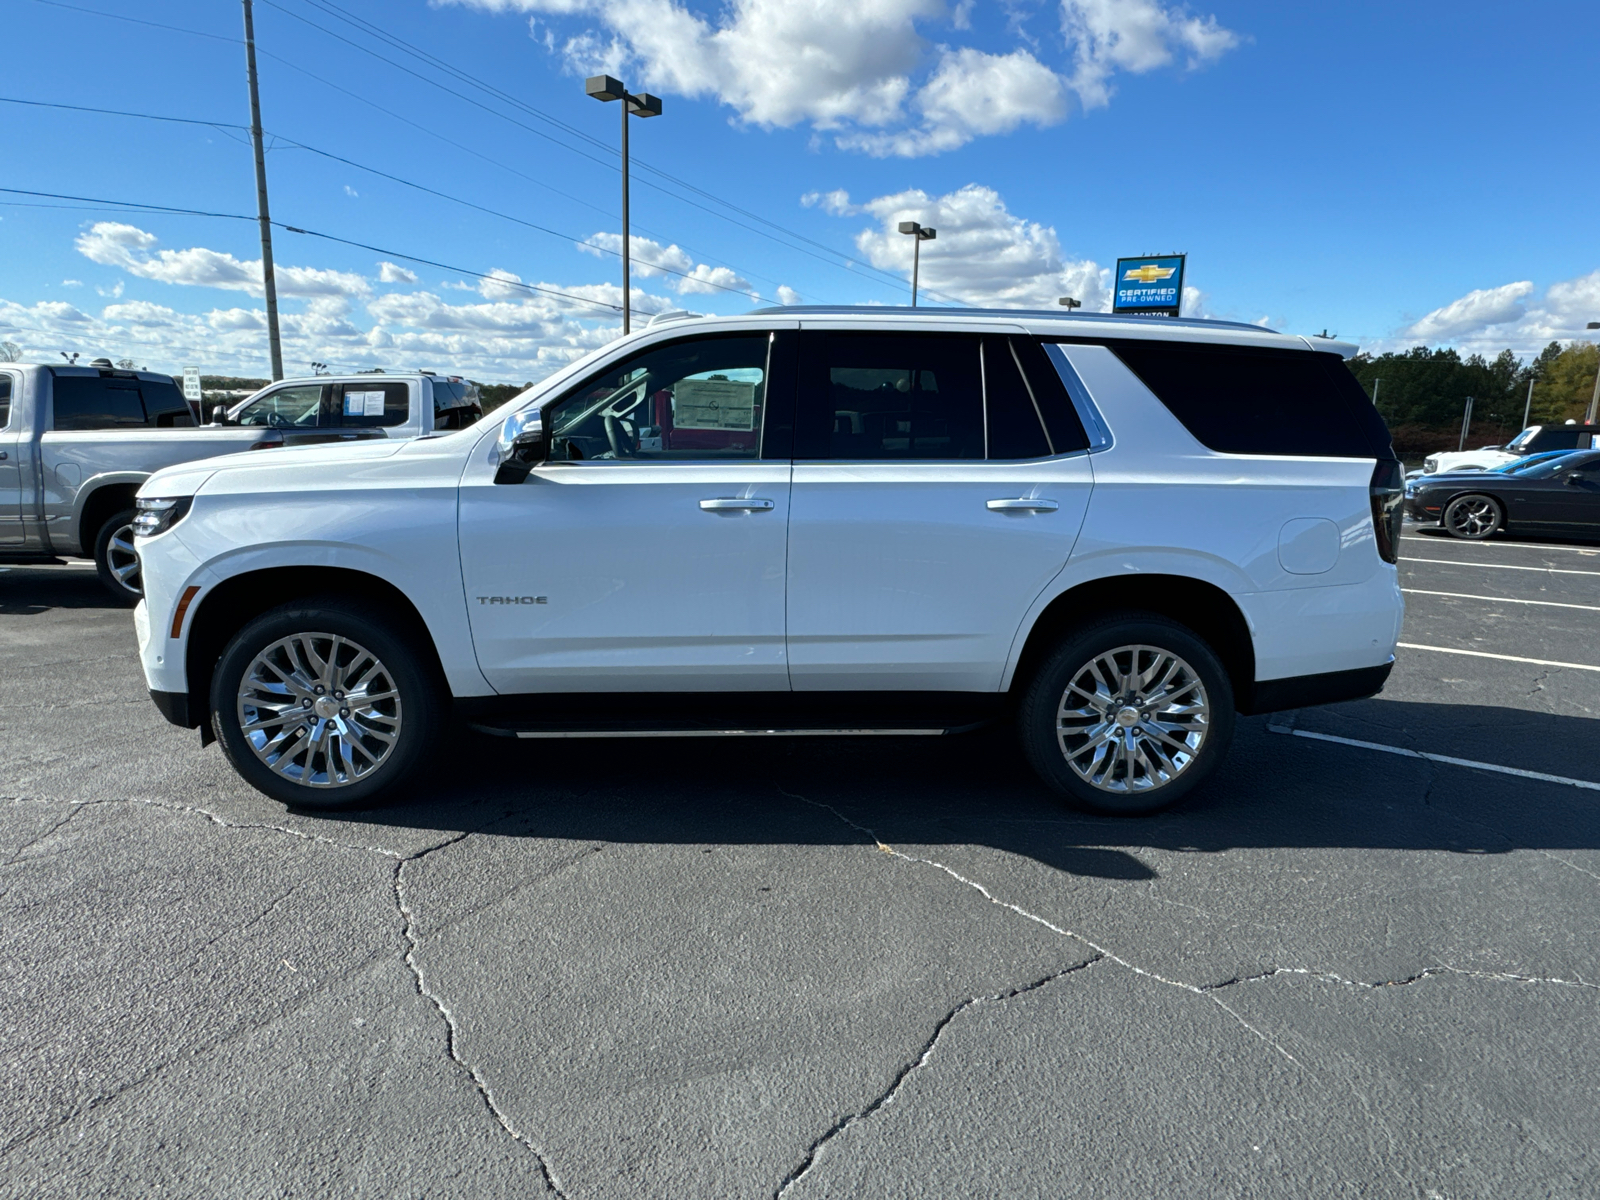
x=1091, y=325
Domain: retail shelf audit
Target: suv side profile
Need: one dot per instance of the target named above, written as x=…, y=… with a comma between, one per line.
x=1115, y=532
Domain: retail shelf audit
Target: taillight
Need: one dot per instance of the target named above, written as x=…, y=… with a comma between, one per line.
x=1388, y=493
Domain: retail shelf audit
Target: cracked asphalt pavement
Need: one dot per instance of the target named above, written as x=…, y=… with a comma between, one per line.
x=886, y=967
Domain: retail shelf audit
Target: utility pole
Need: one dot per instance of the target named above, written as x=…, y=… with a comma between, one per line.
x=1375, y=384
x=269, y=283
x=1466, y=424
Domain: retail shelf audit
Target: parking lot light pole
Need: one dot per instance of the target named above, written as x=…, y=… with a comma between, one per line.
x=1594, y=400
x=269, y=283
x=603, y=87
x=922, y=235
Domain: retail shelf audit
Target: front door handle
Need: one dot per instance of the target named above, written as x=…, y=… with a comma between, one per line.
x=1023, y=504
x=736, y=504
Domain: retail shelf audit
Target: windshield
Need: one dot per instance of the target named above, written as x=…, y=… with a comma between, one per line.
x=1560, y=463
x=1533, y=460
x=1523, y=438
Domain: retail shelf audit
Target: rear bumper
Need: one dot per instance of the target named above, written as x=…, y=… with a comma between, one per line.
x=1304, y=691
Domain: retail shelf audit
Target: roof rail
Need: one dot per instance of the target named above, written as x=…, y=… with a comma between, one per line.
x=674, y=315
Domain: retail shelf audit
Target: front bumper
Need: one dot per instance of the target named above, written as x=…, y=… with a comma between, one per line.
x=174, y=707
x=1419, y=510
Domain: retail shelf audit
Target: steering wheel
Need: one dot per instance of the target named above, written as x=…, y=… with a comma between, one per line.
x=622, y=444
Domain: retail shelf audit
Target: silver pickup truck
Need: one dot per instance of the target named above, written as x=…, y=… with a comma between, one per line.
x=76, y=442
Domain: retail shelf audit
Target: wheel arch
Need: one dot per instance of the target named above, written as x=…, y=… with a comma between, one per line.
x=1203, y=607
x=99, y=499
x=225, y=608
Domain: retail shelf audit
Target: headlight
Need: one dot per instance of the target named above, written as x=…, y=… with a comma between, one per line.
x=157, y=515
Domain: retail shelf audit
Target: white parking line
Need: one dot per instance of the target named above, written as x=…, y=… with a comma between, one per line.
x=1453, y=543
x=1441, y=758
x=1450, y=562
x=1500, y=599
x=1538, y=662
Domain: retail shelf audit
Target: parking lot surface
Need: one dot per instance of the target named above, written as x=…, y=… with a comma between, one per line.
x=886, y=967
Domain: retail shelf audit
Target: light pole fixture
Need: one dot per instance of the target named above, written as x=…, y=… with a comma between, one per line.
x=1068, y=303
x=922, y=235
x=603, y=87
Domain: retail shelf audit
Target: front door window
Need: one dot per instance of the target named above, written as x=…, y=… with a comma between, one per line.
x=298, y=407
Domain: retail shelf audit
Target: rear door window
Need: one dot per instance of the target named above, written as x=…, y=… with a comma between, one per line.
x=371, y=404
x=5, y=401
x=84, y=402
x=1250, y=400
x=890, y=396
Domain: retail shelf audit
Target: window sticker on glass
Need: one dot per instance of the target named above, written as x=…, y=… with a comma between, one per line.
x=363, y=404
x=714, y=404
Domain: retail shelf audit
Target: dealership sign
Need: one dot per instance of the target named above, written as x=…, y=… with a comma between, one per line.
x=1151, y=287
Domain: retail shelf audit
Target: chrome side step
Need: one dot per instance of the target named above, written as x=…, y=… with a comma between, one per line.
x=683, y=733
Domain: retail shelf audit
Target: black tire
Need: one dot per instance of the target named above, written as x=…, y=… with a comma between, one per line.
x=1136, y=783
x=368, y=766
x=1473, y=517
x=113, y=547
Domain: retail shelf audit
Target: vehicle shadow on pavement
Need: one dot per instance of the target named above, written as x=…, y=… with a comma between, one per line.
x=1273, y=791
x=33, y=591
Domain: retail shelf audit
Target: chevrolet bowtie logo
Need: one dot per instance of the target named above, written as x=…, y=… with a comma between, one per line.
x=1148, y=273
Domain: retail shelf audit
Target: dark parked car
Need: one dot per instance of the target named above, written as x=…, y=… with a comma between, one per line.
x=1559, y=496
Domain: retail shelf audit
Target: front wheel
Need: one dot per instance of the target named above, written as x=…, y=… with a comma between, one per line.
x=1128, y=715
x=116, y=561
x=320, y=706
x=1473, y=517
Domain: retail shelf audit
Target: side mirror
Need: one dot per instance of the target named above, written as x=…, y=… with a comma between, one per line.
x=520, y=448
x=1574, y=480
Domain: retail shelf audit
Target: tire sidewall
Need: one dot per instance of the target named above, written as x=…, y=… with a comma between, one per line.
x=1499, y=518
x=102, y=546
x=421, y=702
x=1037, y=713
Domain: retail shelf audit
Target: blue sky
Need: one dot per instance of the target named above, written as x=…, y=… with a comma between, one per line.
x=1392, y=173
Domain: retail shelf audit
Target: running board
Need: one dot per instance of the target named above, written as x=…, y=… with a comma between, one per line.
x=687, y=733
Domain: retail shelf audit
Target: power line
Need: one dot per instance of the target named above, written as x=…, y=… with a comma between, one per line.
x=135, y=206
x=385, y=175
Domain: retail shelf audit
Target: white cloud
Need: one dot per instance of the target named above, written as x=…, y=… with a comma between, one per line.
x=1474, y=311
x=787, y=295
x=389, y=272
x=984, y=255
x=72, y=283
x=672, y=264
x=864, y=69
x=114, y=244
x=1488, y=320
x=835, y=203
x=350, y=191
x=1134, y=36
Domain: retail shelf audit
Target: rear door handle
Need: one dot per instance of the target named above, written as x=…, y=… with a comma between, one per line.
x=1023, y=504
x=736, y=504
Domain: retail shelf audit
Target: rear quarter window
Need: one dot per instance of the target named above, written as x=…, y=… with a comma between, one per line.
x=1250, y=400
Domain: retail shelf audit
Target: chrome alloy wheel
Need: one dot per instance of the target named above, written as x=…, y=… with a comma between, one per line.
x=1132, y=719
x=1472, y=517
x=123, y=560
x=319, y=709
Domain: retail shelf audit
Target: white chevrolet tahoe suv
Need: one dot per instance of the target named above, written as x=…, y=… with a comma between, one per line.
x=1115, y=533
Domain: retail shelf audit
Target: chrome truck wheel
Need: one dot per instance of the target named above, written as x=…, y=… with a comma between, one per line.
x=320, y=706
x=115, y=559
x=319, y=709
x=1133, y=719
x=1128, y=715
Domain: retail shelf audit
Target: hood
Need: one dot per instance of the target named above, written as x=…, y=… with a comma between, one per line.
x=185, y=479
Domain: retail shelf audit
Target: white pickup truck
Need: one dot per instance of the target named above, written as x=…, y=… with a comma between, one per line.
x=77, y=441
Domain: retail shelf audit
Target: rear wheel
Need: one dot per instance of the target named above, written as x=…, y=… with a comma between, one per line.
x=320, y=706
x=1128, y=715
x=115, y=560
x=1473, y=517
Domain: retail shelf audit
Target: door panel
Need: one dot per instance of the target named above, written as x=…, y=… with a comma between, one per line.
x=10, y=463
x=616, y=576
x=902, y=577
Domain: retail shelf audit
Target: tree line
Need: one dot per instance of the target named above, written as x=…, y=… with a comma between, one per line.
x=1422, y=393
